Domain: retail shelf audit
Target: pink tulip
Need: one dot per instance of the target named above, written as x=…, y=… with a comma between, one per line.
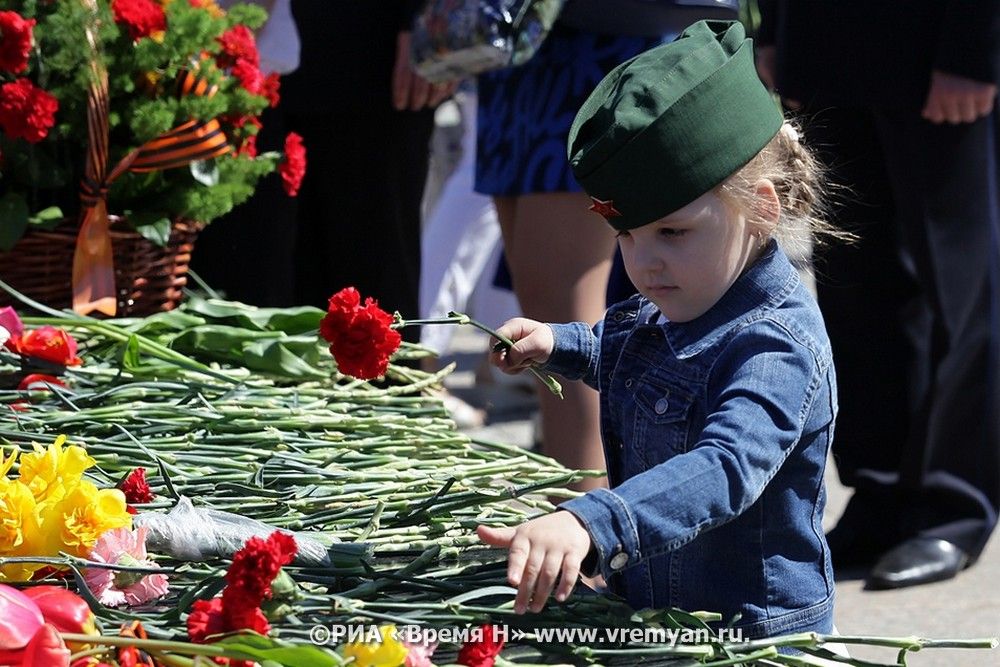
x=20, y=619
x=12, y=323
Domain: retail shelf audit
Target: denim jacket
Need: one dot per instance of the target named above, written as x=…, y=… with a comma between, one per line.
x=716, y=433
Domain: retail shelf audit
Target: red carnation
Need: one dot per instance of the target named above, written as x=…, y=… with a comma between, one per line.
x=141, y=17
x=361, y=337
x=482, y=653
x=50, y=344
x=26, y=111
x=249, y=76
x=248, y=147
x=270, y=89
x=248, y=583
x=238, y=44
x=15, y=41
x=206, y=619
x=363, y=351
x=136, y=488
x=340, y=312
x=254, y=568
x=293, y=167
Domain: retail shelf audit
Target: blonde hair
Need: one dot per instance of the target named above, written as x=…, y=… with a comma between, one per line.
x=799, y=182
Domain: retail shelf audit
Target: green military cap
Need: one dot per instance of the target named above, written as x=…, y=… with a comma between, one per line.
x=669, y=125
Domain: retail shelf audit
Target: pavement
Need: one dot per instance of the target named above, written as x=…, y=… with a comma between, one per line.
x=963, y=608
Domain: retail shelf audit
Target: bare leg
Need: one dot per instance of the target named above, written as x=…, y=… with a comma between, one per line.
x=560, y=257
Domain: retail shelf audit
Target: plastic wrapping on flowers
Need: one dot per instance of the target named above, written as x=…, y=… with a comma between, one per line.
x=353, y=502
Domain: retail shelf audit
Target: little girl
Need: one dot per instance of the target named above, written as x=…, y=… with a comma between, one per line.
x=716, y=380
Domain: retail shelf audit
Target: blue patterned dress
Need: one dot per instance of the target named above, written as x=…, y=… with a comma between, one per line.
x=525, y=112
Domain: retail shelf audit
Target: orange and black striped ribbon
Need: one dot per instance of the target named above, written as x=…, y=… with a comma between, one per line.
x=93, y=270
x=190, y=81
x=194, y=140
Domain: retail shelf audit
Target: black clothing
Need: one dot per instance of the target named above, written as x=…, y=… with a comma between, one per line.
x=911, y=309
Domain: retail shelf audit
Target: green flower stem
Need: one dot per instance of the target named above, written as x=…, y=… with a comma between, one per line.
x=186, y=648
x=813, y=640
x=459, y=318
x=67, y=561
x=146, y=345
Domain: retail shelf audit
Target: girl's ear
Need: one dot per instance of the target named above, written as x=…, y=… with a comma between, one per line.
x=768, y=206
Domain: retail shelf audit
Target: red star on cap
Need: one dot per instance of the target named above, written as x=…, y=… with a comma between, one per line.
x=605, y=208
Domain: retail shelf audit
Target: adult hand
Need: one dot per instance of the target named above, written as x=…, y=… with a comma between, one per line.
x=409, y=89
x=540, y=550
x=955, y=99
x=533, y=343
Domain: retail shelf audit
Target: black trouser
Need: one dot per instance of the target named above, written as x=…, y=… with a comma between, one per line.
x=911, y=311
x=359, y=207
x=248, y=253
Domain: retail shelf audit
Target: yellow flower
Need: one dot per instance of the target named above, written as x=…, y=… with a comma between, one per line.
x=6, y=464
x=390, y=652
x=19, y=530
x=52, y=471
x=73, y=523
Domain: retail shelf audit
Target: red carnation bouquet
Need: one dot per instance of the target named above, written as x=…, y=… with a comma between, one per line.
x=181, y=89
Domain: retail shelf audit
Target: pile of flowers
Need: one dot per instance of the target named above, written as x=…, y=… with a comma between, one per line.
x=51, y=509
x=170, y=65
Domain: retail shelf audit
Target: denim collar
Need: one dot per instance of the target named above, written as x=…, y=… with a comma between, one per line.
x=763, y=286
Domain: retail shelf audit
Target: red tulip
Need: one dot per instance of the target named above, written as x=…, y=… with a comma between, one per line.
x=64, y=610
x=51, y=344
x=39, y=380
x=46, y=649
x=20, y=619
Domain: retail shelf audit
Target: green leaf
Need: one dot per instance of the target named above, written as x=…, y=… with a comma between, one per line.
x=47, y=218
x=270, y=352
x=157, y=231
x=13, y=219
x=260, y=648
x=130, y=355
x=292, y=321
x=153, y=225
x=205, y=172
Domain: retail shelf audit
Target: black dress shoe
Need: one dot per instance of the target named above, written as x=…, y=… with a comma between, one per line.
x=919, y=560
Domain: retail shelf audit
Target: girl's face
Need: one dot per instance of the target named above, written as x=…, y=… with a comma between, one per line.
x=687, y=260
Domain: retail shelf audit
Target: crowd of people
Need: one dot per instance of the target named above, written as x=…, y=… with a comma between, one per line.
x=635, y=191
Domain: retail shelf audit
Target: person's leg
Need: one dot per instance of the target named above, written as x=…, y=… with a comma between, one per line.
x=862, y=288
x=559, y=259
x=945, y=179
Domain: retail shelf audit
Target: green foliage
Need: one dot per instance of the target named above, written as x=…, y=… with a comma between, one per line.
x=142, y=89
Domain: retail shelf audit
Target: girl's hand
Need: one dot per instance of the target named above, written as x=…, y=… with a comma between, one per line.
x=533, y=343
x=540, y=550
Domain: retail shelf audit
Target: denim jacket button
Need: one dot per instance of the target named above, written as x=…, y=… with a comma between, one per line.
x=619, y=316
x=661, y=406
x=618, y=561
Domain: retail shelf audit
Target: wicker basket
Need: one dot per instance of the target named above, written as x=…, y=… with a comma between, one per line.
x=148, y=278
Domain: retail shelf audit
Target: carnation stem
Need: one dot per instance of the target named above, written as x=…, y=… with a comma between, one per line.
x=460, y=318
